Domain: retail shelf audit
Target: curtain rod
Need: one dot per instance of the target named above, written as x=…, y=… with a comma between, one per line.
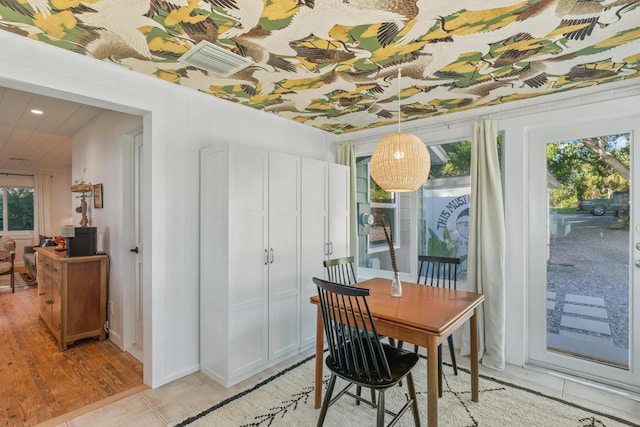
x=20, y=174
x=15, y=174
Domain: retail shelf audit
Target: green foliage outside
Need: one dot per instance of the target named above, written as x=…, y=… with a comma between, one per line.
x=445, y=247
x=20, y=209
x=458, y=161
x=583, y=173
x=377, y=194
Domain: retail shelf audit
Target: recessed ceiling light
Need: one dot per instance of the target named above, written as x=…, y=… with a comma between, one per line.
x=38, y=112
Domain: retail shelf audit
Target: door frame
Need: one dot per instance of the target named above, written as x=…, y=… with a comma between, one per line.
x=537, y=248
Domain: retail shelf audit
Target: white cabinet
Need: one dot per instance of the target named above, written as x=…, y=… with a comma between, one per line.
x=325, y=235
x=250, y=280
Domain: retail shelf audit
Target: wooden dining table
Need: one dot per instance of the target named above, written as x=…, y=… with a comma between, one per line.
x=425, y=316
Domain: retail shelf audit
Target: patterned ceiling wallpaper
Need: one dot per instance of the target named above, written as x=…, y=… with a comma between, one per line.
x=320, y=61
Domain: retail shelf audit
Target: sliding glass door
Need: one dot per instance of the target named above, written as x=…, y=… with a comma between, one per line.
x=584, y=240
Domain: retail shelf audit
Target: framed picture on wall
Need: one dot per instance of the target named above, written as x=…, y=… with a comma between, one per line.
x=97, y=196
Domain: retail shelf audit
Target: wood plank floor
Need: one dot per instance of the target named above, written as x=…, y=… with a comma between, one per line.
x=39, y=382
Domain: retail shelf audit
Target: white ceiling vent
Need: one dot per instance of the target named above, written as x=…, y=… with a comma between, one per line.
x=358, y=119
x=207, y=56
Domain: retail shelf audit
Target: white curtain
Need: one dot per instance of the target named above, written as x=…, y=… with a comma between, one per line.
x=43, y=205
x=486, y=250
x=347, y=156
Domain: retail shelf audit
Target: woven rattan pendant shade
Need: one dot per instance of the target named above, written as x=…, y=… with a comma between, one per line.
x=400, y=163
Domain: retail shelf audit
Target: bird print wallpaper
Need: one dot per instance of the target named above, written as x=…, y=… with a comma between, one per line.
x=346, y=65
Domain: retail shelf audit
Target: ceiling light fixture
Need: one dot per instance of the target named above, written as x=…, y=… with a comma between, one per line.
x=400, y=162
x=38, y=112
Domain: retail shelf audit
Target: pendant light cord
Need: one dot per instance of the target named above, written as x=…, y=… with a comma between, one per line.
x=399, y=89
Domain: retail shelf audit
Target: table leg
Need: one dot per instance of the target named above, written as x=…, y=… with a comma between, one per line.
x=319, y=352
x=432, y=381
x=474, y=355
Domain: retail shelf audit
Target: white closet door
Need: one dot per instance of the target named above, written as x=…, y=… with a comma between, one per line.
x=314, y=241
x=248, y=286
x=283, y=252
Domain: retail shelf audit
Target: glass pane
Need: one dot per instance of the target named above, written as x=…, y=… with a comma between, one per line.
x=383, y=206
x=444, y=218
x=588, y=260
x=20, y=208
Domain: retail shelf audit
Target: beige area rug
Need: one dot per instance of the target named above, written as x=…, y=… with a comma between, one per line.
x=20, y=282
x=286, y=399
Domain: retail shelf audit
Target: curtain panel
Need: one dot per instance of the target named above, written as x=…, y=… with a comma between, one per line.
x=486, y=250
x=347, y=156
x=42, y=189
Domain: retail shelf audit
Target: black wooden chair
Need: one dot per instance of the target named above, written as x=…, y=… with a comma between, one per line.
x=441, y=272
x=356, y=354
x=340, y=270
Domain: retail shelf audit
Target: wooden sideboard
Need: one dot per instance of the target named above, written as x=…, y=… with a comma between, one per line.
x=72, y=295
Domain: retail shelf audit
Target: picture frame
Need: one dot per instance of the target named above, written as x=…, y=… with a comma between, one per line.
x=97, y=196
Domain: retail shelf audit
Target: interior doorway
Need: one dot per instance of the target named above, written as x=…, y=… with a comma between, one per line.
x=583, y=230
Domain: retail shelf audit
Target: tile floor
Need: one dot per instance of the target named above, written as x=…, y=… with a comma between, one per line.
x=175, y=401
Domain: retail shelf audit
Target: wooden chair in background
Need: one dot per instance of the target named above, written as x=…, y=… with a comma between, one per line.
x=341, y=270
x=7, y=260
x=441, y=272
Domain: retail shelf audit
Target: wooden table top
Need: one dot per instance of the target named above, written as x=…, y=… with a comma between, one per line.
x=426, y=308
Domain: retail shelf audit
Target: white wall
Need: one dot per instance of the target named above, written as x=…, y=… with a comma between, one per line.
x=177, y=122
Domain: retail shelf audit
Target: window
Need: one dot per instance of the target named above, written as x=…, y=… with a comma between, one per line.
x=439, y=226
x=383, y=208
x=16, y=209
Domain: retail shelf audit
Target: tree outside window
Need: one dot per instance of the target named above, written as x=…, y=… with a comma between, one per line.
x=16, y=208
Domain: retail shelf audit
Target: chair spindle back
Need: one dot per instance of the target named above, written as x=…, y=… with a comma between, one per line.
x=340, y=270
x=441, y=272
x=353, y=342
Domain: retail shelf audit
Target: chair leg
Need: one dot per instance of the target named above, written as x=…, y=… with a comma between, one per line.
x=412, y=396
x=327, y=400
x=452, y=351
x=380, y=415
x=358, y=393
